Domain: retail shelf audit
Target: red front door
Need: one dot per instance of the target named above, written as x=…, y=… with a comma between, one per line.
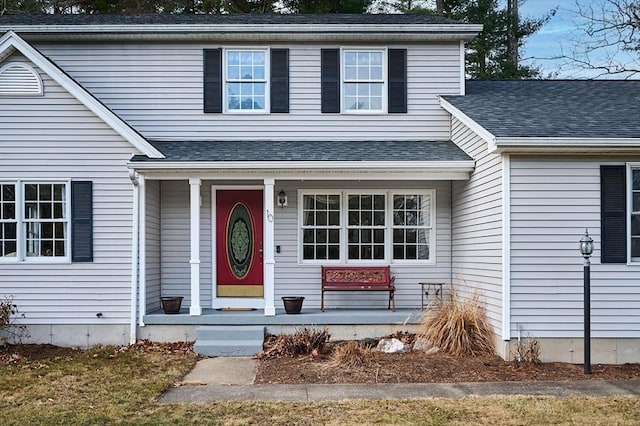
x=239, y=243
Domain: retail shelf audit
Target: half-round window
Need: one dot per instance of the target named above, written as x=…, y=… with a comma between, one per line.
x=18, y=79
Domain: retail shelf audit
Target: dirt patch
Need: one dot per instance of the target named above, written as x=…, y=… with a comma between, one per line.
x=417, y=367
x=38, y=352
x=410, y=367
x=420, y=367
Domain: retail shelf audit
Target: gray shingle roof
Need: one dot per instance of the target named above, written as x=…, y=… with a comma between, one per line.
x=214, y=19
x=308, y=151
x=554, y=108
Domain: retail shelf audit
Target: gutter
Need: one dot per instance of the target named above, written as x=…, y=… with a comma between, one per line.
x=298, y=32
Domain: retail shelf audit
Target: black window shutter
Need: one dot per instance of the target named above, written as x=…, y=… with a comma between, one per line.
x=397, y=80
x=613, y=217
x=330, y=80
x=279, y=80
x=82, y=221
x=212, y=80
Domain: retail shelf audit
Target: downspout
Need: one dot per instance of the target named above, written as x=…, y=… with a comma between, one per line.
x=134, y=256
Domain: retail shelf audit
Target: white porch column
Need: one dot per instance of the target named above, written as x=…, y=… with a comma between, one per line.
x=268, y=249
x=194, y=185
x=142, y=232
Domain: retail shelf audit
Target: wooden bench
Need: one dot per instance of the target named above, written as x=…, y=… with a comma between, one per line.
x=358, y=278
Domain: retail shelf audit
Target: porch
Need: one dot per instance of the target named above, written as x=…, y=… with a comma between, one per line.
x=186, y=218
x=241, y=333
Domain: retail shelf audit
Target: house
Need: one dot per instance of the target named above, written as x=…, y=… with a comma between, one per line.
x=225, y=159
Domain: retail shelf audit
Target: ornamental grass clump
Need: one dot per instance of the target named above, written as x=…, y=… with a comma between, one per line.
x=351, y=355
x=458, y=327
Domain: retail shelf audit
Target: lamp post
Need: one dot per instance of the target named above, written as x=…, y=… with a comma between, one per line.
x=586, y=248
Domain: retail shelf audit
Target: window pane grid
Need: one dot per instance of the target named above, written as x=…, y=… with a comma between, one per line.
x=321, y=227
x=363, y=80
x=635, y=213
x=8, y=222
x=45, y=223
x=366, y=225
x=411, y=226
x=246, y=80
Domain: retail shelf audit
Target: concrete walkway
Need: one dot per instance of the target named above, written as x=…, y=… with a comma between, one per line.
x=231, y=379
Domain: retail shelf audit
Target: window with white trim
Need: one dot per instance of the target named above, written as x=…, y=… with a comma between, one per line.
x=35, y=220
x=359, y=226
x=246, y=76
x=635, y=214
x=366, y=226
x=321, y=226
x=363, y=80
x=411, y=226
x=8, y=221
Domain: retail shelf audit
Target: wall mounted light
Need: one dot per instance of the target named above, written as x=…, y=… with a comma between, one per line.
x=282, y=199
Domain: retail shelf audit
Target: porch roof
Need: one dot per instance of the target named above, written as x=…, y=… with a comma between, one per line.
x=306, y=151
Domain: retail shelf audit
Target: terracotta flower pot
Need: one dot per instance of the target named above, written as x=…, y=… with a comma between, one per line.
x=171, y=304
x=292, y=305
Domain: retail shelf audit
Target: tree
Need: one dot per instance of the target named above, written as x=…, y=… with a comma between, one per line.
x=495, y=52
x=326, y=6
x=609, y=43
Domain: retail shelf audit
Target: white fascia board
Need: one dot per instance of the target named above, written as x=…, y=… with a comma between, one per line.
x=305, y=165
x=470, y=123
x=163, y=170
x=425, y=31
x=550, y=144
x=12, y=40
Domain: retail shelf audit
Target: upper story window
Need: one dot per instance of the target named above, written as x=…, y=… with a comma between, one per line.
x=363, y=80
x=246, y=80
x=354, y=80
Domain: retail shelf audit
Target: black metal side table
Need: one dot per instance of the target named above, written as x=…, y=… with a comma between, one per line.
x=434, y=288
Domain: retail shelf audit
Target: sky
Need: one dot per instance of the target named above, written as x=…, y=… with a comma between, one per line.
x=554, y=38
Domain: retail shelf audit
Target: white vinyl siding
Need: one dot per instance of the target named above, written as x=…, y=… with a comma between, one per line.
x=553, y=200
x=291, y=277
x=157, y=88
x=56, y=137
x=153, y=246
x=477, y=225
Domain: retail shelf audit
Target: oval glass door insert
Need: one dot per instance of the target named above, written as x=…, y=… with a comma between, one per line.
x=240, y=240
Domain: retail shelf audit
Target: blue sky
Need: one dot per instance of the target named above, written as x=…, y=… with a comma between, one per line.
x=555, y=37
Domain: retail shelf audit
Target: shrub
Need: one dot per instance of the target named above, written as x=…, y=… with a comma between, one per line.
x=306, y=341
x=527, y=351
x=351, y=355
x=458, y=327
x=10, y=331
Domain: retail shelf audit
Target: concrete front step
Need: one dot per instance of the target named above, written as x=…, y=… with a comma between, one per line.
x=229, y=340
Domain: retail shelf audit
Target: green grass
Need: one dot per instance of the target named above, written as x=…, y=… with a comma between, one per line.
x=109, y=386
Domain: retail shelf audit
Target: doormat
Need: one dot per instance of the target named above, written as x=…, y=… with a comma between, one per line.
x=236, y=309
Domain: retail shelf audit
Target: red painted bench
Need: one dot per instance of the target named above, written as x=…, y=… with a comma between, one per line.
x=358, y=278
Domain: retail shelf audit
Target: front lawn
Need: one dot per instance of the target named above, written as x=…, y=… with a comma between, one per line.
x=120, y=386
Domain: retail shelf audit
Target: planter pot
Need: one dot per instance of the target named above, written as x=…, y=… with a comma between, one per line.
x=171, y=304
x=292, y=305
